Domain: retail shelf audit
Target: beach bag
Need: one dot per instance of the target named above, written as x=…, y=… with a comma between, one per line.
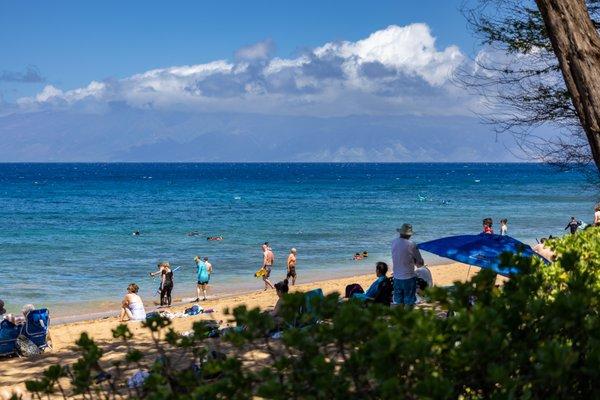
x=260, y=273
x=193, y=310
x=26, y=348
x=352, y=289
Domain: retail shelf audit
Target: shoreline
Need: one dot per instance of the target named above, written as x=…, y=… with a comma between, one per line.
x=105, y=308
x=63, y=335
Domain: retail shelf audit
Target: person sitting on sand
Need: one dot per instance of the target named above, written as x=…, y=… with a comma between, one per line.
x=202, y=275
x=132, y=307
x=424, y=281
x=291, y=266
x=20, y=319
x=381, y=270
x=281, y=288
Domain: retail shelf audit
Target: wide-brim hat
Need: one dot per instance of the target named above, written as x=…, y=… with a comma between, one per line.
x=405, y=229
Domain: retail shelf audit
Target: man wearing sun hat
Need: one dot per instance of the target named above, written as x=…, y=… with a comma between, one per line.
x=405, y=257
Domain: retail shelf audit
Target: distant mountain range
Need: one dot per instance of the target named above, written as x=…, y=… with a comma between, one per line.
x=121, y=133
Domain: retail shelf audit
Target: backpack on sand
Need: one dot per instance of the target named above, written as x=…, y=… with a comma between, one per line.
x=26, y=348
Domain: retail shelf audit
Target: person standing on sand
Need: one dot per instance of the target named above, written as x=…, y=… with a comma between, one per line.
x=268, y=260
x=166, y=285
x=291, y=266
x=203, y=277
x=405, y=256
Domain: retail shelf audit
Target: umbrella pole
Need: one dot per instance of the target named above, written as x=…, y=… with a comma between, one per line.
x=469, y=271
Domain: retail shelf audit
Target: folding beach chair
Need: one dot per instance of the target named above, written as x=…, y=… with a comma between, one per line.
x=308, y=308
x=9, y=333
x=36, y=327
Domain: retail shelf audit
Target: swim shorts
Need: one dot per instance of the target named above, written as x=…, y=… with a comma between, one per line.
x=202, y=282
x=292, y=272
x=267, y=271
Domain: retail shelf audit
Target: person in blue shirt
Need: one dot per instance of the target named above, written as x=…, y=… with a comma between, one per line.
x=203, y=274
x=381, y=270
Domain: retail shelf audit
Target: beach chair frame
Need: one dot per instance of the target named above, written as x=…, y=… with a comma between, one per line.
x=39, y=338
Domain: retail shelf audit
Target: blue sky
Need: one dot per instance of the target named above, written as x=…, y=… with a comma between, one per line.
x=74, y=42
x=240, y=81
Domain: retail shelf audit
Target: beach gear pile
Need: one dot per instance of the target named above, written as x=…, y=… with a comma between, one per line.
x=194, y=310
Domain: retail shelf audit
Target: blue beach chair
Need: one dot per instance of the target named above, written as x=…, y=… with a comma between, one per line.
x=36, y=327
x=9, y=333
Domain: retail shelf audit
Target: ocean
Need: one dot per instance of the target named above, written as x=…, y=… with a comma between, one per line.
x=66, y=229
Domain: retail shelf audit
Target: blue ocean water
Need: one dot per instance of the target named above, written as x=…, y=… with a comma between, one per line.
x=66, y=229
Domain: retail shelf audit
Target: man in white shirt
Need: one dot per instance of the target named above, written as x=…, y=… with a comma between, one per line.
x=405, y=257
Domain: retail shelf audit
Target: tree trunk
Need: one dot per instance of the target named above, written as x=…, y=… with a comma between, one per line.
x=576, y=44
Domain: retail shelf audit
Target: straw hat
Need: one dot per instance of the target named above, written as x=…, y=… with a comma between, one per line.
x=406, y=229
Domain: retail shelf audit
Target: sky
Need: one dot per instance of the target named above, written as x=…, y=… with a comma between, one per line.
x=341, y=80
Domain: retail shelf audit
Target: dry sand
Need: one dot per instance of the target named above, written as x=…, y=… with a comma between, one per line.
x=14, y=371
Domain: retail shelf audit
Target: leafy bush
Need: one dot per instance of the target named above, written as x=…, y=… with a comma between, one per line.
x=537, y=336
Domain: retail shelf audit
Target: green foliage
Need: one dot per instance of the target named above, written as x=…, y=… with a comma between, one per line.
x=537, y=336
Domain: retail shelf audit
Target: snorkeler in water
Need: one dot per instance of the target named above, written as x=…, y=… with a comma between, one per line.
x=214, y=238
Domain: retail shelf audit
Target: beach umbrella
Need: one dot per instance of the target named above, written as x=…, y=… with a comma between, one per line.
x=482, y=250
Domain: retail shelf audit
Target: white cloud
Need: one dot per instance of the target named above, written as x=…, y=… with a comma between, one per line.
x=393, y=71
x=258, y=51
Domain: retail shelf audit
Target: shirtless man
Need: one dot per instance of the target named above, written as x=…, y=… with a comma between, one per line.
x=291, y=266
x=268, y=260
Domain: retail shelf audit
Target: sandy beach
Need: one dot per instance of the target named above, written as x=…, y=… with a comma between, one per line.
x=14, y=371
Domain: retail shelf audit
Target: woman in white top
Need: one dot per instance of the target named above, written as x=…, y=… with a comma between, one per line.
x=132, y=306
x=597, y=215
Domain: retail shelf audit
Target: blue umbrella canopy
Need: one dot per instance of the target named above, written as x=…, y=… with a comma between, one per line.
x=482, y=250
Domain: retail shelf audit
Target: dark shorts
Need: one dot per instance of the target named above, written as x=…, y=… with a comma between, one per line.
x=292, y=272
x=202, y=282
x=267, y=271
